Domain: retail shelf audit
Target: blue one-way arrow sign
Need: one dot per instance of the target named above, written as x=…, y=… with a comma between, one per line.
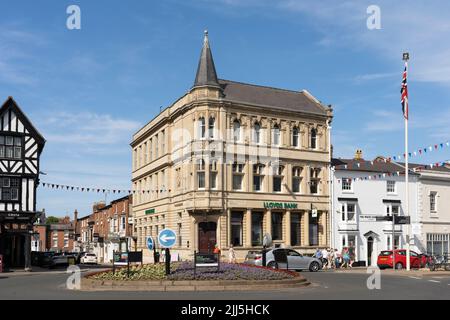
x=167, y=238
x=150, y=243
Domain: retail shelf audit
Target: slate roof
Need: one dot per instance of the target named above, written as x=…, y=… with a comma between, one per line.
x=274, y=98
x=380, y=166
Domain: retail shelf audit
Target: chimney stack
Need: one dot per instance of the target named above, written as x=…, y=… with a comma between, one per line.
x=358, y=155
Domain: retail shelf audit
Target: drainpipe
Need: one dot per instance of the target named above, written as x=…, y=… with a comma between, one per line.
x=331, y=187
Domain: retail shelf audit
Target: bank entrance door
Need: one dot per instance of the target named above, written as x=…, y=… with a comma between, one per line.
x=207, y=236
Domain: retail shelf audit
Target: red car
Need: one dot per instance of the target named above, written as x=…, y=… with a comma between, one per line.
x=385, y=259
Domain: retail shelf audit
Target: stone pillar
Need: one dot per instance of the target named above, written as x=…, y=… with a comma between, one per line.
x=248, y=230
x=268, y=221
x=306, y=228
x=325, y=228
x=27, y=252
x=287, y=227
x=228, y=227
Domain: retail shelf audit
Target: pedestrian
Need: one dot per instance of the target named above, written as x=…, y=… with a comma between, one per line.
x=216, y=249
x=345, y=257
x=331, y=258
x=231, y=254
x=325, y=257
x=337, y=259
x=318, y=254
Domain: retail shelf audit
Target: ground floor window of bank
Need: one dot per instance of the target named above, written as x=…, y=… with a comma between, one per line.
x=277, y=226
x=313, y=230
x=438, y=243
x=236, y=228
x=257, y=229
x=295, y=229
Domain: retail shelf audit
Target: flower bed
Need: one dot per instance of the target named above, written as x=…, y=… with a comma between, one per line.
x=185, y=271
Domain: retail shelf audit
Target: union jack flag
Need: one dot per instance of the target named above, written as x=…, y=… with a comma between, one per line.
x=404, y=93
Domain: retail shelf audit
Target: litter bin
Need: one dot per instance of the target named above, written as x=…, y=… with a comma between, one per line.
x=1, y=263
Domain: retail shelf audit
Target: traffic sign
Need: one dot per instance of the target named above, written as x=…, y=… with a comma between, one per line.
x=402, y=220
x=150, y=243
x=167, y=238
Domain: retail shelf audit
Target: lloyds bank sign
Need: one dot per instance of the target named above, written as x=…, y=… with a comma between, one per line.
x=280, y=205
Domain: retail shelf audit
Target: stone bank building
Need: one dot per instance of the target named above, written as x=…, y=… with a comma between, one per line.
x=228, y=162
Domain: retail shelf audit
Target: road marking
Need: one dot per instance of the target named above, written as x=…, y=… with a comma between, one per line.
x=415, y=277
x=434, y=281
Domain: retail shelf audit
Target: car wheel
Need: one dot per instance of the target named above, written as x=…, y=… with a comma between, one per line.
x=314, y=267
x=273, y=265
x=399, y=266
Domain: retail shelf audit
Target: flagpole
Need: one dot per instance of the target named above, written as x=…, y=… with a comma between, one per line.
x=408, y=250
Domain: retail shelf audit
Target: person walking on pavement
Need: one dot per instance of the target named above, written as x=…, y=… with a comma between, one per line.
x=325, y=258
x=337, y=259
x=345, y=257
x=332, y=258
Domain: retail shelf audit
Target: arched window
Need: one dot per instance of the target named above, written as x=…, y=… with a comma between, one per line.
x=201, y=128
x=211, y=124
x=295, y=140
x=257, y=133
x=276, y=135
x=201, y=174
x=236, y=130
x=313, y=139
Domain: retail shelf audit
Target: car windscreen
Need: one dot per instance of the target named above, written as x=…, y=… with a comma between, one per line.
x=385, y=253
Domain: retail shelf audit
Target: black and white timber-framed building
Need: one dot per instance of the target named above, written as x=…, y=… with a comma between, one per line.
x=20, y=148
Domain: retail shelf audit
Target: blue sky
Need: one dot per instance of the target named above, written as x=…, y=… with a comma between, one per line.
x=89, y=90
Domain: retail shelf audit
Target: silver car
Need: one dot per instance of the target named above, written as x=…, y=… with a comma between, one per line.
x=282, y=258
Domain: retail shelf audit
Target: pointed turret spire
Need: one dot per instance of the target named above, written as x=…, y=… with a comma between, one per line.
x=206, y=71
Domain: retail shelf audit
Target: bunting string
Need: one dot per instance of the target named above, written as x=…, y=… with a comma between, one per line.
x=422, y=151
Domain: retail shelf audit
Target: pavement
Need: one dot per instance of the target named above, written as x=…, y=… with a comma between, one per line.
x=327, y=284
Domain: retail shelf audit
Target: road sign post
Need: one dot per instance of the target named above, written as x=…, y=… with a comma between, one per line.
x=167, y=239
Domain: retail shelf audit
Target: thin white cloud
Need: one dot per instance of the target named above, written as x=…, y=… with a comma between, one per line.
x=87, y=128
x=16, y=47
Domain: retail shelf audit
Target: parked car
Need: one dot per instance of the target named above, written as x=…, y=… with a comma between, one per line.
x=386, y=259
x=62, y=260
x=89, y=258
x=281, y=258
x=41, y=258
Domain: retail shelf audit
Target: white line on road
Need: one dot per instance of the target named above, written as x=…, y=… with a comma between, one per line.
x=434, y=281
x=415, y=277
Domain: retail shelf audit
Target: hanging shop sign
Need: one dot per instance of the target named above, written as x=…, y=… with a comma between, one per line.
x=280, y=205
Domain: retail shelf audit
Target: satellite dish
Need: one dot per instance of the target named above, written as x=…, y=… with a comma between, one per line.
x=267, y=240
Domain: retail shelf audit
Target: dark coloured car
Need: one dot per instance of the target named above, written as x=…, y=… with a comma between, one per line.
x=42, y=258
